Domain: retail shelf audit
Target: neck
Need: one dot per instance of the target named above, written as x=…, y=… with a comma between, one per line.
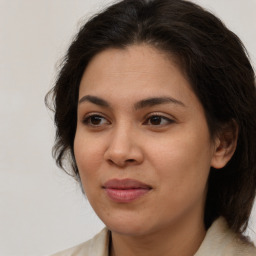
x=181, y=239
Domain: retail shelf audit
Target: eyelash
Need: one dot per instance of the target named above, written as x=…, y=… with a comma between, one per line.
x=158, y=115
x=88, y=120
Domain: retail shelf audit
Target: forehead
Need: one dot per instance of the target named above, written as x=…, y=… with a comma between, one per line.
x=136, y=72
x=132, y=59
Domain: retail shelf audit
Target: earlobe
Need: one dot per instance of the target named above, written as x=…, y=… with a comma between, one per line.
x=225, y=145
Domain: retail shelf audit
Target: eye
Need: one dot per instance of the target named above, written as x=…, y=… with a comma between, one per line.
x=158, y=120
x=95, y=120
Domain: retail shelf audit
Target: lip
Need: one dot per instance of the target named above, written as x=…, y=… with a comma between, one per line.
x=125, y=190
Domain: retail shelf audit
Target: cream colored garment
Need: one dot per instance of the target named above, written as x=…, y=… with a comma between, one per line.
x=219, y=241
x=97, y=246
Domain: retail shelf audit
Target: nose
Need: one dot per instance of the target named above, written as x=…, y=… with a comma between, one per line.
x=123, y=148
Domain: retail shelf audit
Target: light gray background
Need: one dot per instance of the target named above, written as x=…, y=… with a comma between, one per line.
x=42, y=209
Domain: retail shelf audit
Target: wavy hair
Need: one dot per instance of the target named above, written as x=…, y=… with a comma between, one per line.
x=215, y=63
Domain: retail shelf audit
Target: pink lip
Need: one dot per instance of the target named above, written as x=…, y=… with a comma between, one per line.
x=125, y=190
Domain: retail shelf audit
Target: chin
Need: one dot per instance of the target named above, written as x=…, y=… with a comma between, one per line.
x=128, y=230
x=127, y=225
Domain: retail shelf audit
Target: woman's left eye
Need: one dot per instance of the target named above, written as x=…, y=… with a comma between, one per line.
x=157, y=120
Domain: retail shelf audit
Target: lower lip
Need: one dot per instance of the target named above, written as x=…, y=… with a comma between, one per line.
x=125, y=195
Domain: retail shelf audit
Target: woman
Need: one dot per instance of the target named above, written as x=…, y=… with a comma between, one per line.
x=155, y=110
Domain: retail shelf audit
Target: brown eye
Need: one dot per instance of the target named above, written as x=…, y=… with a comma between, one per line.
x=95, y=120
x=157, y=120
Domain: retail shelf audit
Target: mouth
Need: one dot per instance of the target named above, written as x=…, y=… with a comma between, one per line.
x=126, y=190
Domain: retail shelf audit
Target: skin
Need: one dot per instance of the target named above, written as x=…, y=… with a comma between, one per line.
x=172, y=152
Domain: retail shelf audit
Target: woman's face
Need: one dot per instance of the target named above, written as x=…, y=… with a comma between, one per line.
x=142, y=143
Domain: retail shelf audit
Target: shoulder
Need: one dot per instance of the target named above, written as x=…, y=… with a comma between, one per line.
x=97, y=246
x=220, y=240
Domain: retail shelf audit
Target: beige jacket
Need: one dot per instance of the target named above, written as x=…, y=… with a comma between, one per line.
x=219, y=241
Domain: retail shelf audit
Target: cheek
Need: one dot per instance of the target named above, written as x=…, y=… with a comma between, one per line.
x=182, y=162
x=88, y=154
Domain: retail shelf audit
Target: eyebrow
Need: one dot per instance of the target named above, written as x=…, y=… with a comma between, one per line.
x=95, y=100
x=149, y=102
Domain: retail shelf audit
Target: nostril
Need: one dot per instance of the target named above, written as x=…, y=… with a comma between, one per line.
x=130, y=160
x=121, y=163
x=111, y=161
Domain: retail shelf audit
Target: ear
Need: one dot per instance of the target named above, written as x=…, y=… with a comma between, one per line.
x=225, y=144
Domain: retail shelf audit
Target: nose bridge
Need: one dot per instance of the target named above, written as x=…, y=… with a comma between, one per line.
x=123, y=145
x=122, y=139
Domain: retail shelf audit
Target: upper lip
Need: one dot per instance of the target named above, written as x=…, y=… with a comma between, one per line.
x=125, y=184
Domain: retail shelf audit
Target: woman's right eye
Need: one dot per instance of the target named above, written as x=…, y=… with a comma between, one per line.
x=95, y=120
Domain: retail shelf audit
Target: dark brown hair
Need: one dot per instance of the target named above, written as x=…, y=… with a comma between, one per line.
x=214, y=61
